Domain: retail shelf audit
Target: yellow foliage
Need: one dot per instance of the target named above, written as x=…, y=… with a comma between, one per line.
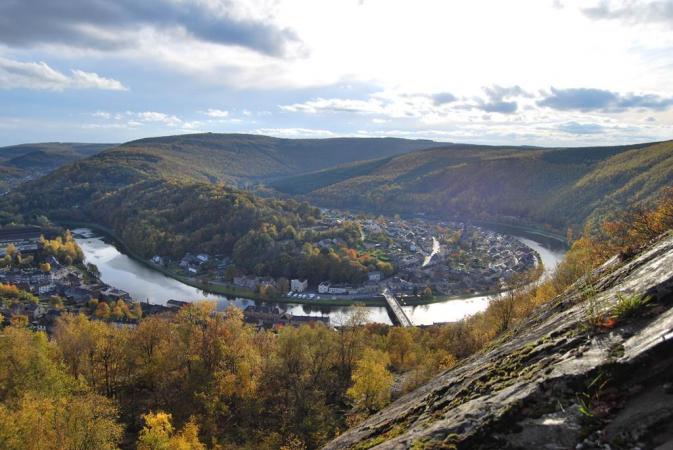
x=157, y=434
x=372, y=381
x=66, y=422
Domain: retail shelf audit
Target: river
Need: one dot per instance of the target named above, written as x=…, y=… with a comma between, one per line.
x=146, y=284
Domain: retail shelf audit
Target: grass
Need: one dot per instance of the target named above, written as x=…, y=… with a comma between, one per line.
x=629, y=305
x=592, y=316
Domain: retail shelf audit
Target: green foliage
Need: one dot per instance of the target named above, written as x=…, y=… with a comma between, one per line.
x=555, y=187
x=629, y=305
x=19, y=161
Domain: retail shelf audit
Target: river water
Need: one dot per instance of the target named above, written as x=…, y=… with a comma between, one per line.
x=146, y=284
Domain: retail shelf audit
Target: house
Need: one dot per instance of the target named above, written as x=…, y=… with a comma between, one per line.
x=323, y=288
x=37, y=326
x=375, y=276
x=36, y=310
x=338, y=289
x=187, y=261
x=298, y=285
x=77, y=294
x=156, y=259
x=202, y=258
x=112, y=294
x=299, y=320
x=246, y=282
x=24, y=239
x=263, y=316
x=46, y=289
x=176, y=304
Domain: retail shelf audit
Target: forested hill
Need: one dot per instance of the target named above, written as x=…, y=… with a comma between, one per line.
x=18, y=162
x=554, y=186
x=241, y=158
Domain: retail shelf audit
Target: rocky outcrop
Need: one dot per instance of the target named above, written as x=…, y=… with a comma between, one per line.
x=564, y=379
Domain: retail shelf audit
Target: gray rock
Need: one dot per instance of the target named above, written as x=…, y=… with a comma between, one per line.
x=554, y=381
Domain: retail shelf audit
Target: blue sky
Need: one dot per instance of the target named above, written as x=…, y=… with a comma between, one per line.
x=525, y=72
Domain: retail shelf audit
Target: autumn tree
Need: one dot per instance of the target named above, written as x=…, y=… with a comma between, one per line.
x=372, y=381
x=158, y=434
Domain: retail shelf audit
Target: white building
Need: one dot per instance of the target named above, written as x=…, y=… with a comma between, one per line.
x=337, y=289
x=375, y=276
x=46, y=289
x=298, y=285
x=323, y=288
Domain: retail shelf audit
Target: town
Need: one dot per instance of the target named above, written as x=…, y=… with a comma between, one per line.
x=43, y=275
x=421, y=258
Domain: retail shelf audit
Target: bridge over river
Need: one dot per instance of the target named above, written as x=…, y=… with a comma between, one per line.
x=398, y=313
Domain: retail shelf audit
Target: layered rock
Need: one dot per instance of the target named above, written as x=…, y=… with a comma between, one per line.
x=564, y=378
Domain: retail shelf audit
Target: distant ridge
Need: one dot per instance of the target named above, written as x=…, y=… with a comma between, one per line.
x=18, y=162
x=240, y=158
x=557, y=187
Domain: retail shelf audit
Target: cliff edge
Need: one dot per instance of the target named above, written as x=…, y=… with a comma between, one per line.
x=593, y=368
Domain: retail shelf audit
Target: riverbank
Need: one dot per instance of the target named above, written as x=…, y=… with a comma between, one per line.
x=216, y=289
x=233, y=292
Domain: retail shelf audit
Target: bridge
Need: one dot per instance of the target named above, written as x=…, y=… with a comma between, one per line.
x=399, y=314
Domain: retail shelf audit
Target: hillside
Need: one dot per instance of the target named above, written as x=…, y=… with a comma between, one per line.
x=29, y=161
x=241, y=158
x=557, y=380
x=131, y=180
x=180, y=194
x=543, y=186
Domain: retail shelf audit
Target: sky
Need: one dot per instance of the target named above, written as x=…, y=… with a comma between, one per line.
x=522, y=72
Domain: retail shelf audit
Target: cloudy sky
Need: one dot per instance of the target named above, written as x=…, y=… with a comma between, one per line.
x=542, y=72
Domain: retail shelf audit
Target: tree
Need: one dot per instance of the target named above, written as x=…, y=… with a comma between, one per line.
x=157, y=434
x=137, y=311
x=283, y=285
x=372, y=381
x=19, y=321
x=426, y=293
x=56, y=301
x=230, y=273
x=62, y=422
x=27, y=366
x=401, y=347
x=45, y=267
x=103, y=310
x=11, y=250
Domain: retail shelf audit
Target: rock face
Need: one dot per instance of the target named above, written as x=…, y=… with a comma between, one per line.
x=564, y=379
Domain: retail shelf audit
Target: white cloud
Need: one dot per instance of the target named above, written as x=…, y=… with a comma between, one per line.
x=217, y=113
x=394, y=104
x=371, y=106
x=135, y=119
x=91, y=80
x=153, y=116
x=295, y=132
x=39, y=75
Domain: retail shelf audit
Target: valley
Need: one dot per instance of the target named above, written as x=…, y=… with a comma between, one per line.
x=145, y=284
x=336, y=225
x=184, y=244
